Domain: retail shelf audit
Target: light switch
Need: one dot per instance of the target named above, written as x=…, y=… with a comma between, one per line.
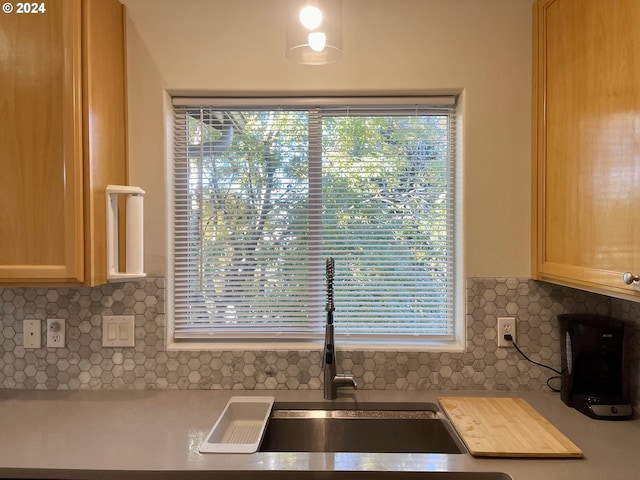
x=112, y=331
x=123, y=332
x=118, y=331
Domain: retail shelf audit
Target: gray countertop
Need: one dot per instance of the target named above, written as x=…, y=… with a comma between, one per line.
x=156, y=434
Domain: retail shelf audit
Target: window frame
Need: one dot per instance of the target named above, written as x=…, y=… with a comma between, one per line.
x=273, y=343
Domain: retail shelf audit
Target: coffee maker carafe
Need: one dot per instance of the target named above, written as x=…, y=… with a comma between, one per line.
x=593, y=380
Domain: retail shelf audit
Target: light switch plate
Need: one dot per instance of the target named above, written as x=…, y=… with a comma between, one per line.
x=118, y=331
x=32, y=333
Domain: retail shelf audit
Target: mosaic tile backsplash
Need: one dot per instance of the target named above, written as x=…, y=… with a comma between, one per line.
x=85, y=364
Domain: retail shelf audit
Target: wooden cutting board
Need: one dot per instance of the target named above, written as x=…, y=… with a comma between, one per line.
x=505, y=427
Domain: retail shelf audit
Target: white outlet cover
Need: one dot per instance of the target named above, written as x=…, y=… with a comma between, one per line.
x=506, y=324
x=55, y=333
x=32, y=333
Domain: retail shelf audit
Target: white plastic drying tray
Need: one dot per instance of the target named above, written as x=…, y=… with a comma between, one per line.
x=240, y=427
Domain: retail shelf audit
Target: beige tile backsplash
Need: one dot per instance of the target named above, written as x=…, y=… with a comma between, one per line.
x=85, y=364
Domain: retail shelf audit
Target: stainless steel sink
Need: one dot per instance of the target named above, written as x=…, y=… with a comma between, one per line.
x=361, y=427
x=356, y=475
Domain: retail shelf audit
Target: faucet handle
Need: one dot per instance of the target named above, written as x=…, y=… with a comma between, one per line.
x=345, y=380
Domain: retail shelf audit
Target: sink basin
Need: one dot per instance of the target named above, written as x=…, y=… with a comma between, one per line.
x=361, y=427
x=359, y=475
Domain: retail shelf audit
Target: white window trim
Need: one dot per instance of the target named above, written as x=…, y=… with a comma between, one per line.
x=458, y=344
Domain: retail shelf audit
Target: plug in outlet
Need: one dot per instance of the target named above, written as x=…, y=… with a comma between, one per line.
x=55, y=332
x=506, y=326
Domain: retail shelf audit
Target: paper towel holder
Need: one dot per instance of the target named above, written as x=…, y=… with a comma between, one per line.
x=133, y=233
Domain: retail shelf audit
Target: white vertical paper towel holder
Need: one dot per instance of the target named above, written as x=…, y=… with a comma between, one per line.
x=134, y=233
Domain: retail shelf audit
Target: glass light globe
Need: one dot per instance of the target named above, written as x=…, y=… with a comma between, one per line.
x=317, y=41
x=311, y=17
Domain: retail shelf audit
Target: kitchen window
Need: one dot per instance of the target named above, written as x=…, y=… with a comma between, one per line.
x=262, y=192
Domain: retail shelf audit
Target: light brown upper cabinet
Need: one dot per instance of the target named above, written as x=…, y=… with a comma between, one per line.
x=62, y=139
x=586, y=144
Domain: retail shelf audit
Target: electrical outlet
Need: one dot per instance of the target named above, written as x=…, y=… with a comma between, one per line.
x=32, y=333
x=506, y=326
x=55, y=332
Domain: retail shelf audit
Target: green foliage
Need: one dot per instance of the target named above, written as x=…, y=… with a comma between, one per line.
x=385, y=211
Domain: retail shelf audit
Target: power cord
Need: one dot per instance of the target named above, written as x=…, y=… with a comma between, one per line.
x=508, y=337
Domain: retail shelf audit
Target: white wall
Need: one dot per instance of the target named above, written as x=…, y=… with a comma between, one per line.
x=224, y=47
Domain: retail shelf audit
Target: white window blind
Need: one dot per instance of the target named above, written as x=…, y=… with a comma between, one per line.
x=263, y=193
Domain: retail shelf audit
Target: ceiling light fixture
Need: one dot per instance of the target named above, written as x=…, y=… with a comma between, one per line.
x=314, y=31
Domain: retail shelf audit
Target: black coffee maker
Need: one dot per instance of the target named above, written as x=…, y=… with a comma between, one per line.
x=593, y=381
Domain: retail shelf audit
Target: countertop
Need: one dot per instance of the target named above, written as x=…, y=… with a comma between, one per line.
x=156, y=434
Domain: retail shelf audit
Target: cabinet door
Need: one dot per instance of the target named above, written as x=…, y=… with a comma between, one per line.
x=41, y=204
x=587, y=143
